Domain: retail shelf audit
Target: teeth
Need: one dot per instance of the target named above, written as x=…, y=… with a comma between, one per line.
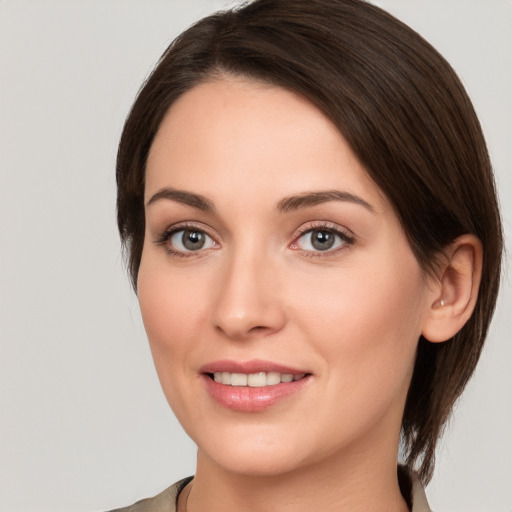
x=273, y=378
x=239, y=379
x=255, y=380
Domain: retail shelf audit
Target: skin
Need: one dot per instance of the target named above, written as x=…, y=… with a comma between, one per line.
x=351, y=316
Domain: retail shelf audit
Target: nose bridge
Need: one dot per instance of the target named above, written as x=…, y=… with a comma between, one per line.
x=248, y=300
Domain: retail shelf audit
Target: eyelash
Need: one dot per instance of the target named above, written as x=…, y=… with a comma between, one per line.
x=344, y=236
x=164, y=238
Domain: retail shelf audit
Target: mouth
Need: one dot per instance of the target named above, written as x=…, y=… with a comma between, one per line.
x=254, y=385
x=255, y=380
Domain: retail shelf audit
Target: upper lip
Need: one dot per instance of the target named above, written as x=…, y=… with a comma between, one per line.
x=253, y=366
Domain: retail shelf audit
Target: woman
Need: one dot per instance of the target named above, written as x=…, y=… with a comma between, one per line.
x=313, y=234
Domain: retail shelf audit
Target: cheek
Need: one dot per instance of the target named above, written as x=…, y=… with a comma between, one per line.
x=172, y=308
x=366, y=321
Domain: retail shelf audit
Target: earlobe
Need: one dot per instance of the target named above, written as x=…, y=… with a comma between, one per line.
x=455, y=293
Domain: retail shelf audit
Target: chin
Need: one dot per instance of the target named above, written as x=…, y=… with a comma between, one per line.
x=256, y=463
x=264, y=451
x=250, y=450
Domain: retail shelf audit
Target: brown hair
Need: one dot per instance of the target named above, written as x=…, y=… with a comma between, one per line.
x=406, y=116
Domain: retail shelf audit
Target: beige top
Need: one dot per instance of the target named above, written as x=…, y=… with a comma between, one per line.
x=166, y=501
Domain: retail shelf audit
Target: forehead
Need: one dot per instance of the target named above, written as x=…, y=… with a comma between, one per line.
x=241, y=135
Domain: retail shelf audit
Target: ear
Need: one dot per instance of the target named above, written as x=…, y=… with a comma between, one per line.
x=455, y=291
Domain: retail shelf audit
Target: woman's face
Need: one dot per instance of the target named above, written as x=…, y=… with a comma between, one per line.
x=269, y=257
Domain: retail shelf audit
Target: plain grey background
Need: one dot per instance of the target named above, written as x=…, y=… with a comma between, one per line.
x=83, y=423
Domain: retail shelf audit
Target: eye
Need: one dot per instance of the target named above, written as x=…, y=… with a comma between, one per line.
x=190, y=240
x=321, y=240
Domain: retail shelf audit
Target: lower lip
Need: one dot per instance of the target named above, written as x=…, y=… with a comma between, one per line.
x=248, y=399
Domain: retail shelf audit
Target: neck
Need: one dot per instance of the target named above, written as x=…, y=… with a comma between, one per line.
x=356, y=483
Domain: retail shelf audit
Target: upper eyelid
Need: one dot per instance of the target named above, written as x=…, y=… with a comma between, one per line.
x=319, y=225
x=191, y=225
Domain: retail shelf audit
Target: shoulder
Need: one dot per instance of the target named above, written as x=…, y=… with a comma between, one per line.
x=412, y=490
x=418, y=496
x=163, y=502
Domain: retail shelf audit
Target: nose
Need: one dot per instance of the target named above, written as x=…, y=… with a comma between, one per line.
x=249, y=302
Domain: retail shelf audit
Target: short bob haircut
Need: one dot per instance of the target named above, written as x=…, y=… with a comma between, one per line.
x=406, y=116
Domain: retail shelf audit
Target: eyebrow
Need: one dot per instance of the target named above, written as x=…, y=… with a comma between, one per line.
x=287, y=204
x=195, y=200
x=307, y=199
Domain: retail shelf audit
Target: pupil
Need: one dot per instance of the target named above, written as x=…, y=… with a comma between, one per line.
x=322, y=240
x=193, y=240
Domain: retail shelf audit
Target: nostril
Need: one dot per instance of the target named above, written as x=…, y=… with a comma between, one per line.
x=258, y=328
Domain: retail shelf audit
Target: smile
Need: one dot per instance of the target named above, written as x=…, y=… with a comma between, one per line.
x=252, y=386
x=255, y=380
